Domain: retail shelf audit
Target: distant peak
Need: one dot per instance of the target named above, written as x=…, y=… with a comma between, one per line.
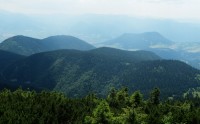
x=18, y=37
x=61, y=36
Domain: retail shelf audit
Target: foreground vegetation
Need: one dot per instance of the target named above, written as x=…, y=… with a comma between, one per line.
x=119, y=107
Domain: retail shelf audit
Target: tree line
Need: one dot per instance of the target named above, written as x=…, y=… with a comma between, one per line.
x=119, y=107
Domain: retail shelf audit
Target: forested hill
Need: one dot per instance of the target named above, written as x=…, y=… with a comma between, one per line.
x=124, y=55
x=66, y=42
x=7, y=58
x=77, y=73
x=24, y=45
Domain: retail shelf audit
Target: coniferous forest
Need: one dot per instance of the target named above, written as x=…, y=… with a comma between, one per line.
x=119, y=107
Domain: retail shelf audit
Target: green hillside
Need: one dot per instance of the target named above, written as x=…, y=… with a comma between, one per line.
x=77, y=73
x=66, y=42
x=123, y=55
x=24, y=45
x=6, y=59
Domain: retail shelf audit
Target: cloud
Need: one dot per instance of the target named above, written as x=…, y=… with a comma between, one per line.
x=173, y=9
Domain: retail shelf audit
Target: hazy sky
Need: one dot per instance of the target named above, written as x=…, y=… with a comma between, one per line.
x=172, y=9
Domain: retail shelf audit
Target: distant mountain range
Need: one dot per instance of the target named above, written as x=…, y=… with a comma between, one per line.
x=139, y=41
x=72, y=66
x=27, y=46
x=77, y=73
x=94, y=28
x=155, y=42
x=149, y=41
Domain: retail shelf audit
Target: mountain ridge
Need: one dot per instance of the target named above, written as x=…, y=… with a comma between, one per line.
x=77, y=73
x=27, y=45
x=140, y=41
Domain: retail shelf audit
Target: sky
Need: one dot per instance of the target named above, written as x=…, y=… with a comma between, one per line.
x=170, y=9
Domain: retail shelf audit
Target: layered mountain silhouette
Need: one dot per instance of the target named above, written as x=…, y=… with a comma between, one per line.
x=155, y=42
x=24, y=45
x=138, y=41
x=77, y=73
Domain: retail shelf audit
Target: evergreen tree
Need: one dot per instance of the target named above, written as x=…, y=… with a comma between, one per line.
x=129, y=116
x=154, y=96
x=122, y=97
x=101, y=115
x=136, y=99
x=52, y=107
x=112, y=100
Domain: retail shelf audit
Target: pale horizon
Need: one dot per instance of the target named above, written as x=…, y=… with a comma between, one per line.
x=179, y=10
